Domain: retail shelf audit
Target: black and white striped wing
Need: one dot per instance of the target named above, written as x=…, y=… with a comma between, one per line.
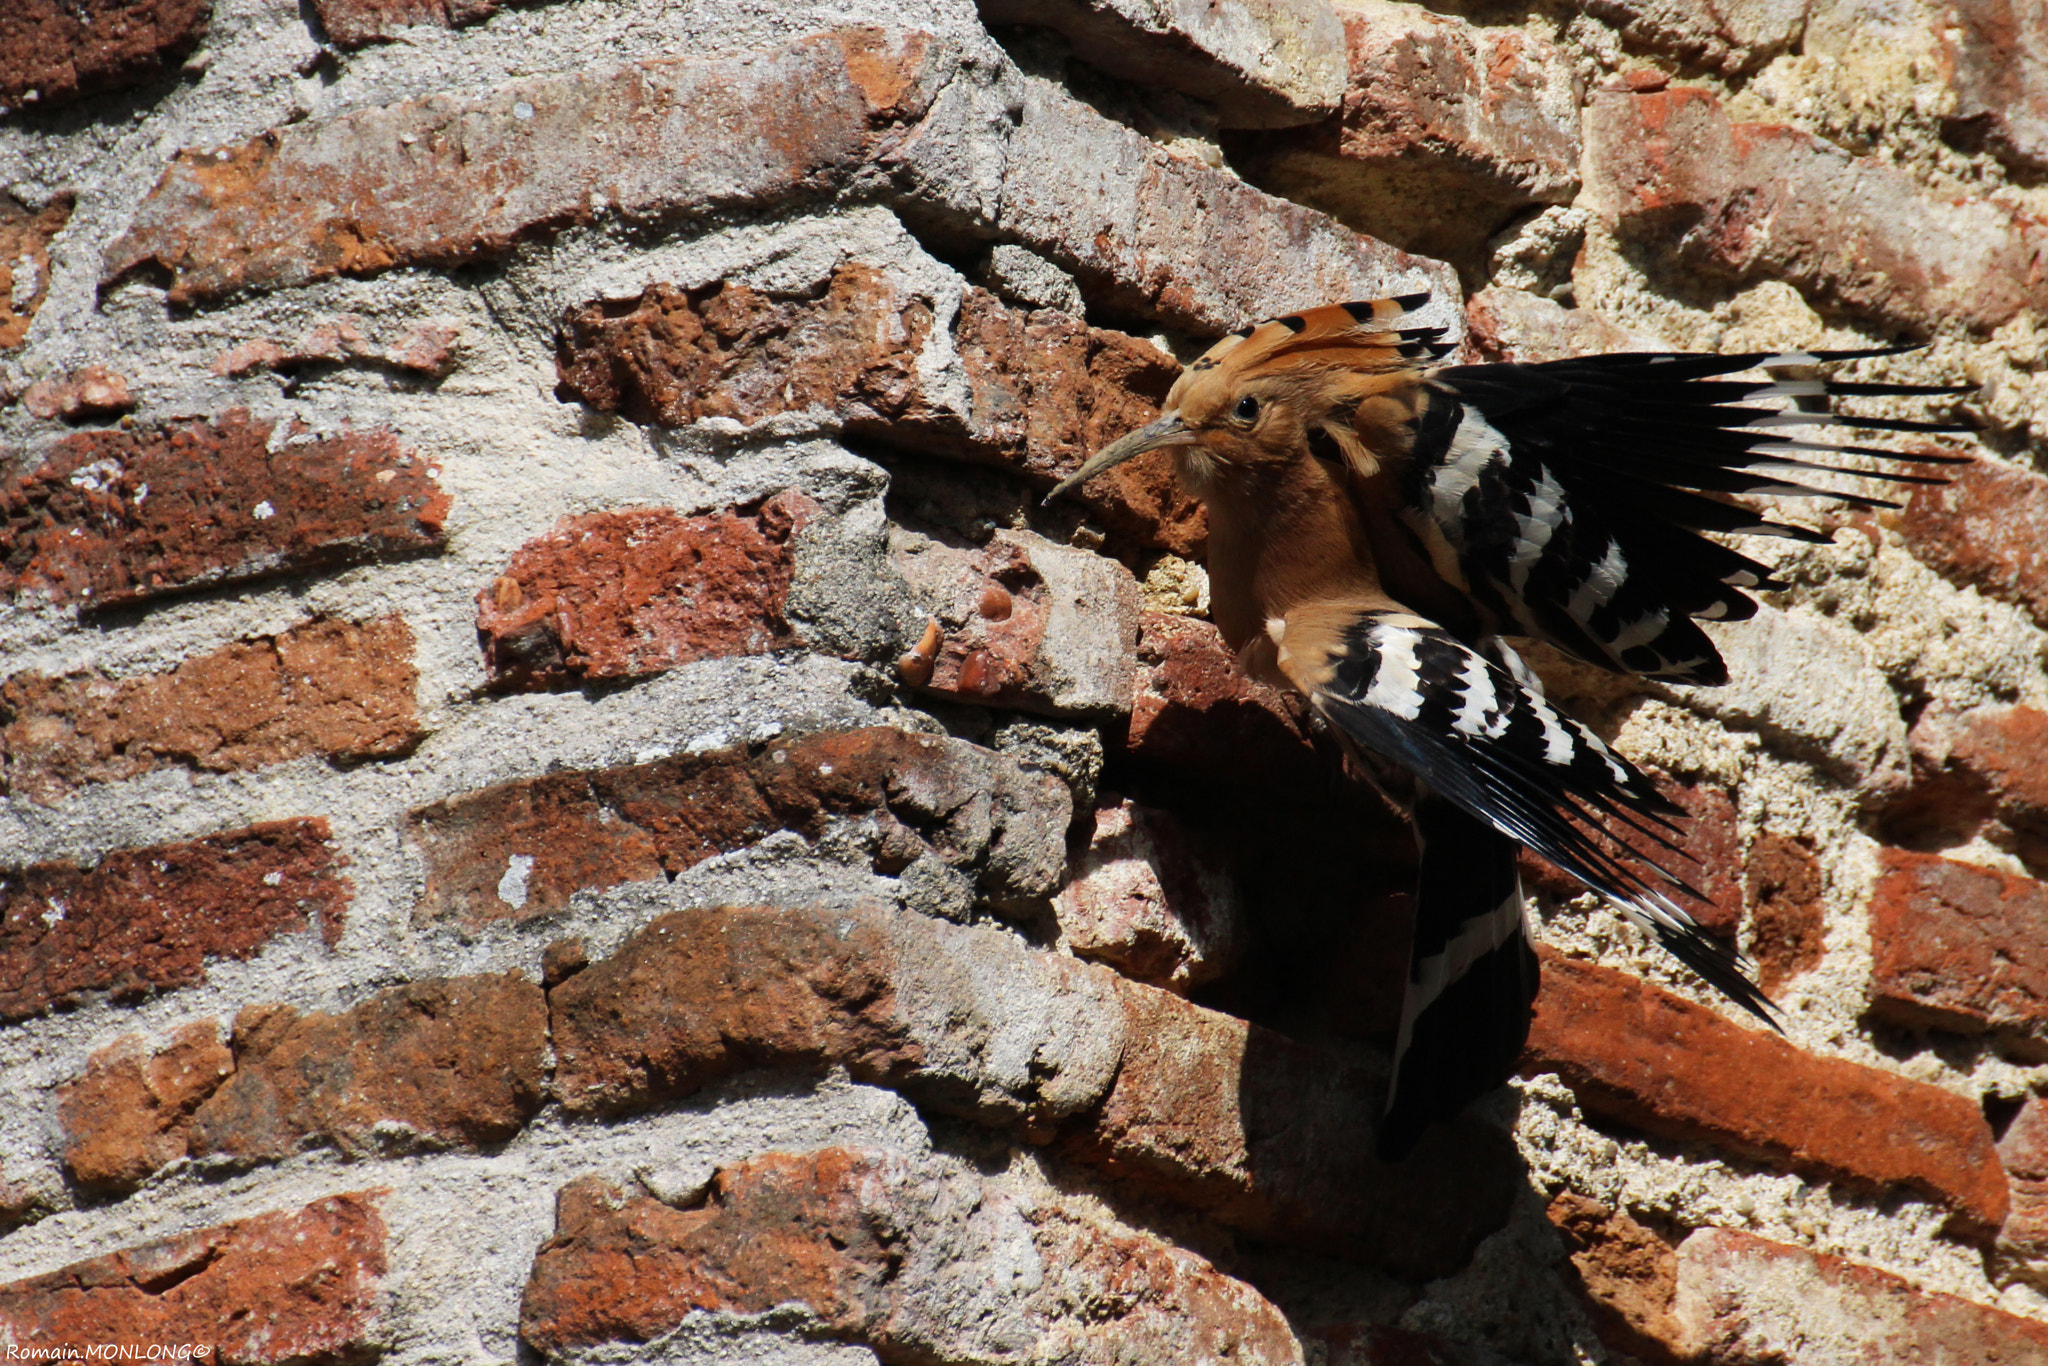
x=1567, y=498
x=1487, y=742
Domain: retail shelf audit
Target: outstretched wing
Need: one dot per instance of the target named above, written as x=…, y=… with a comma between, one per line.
x=1567, y=498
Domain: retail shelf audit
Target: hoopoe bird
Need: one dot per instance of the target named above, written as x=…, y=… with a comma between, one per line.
x=1379, y=522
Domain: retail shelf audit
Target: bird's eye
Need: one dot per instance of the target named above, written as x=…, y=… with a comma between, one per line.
x=1247, y=410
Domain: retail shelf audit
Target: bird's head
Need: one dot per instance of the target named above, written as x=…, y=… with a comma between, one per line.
x=1306, y=387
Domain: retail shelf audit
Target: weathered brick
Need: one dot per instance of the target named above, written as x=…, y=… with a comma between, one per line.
x=1650, y=1058
x=331, y=688
x=1745, y=1301
x=1273, y=1136
x=299, y=1286
x=1262, y=64
x=421, y=349
x=522, y=849
x=1627, y=1274
x=1197, y=717
x=1728, y=36
x=1044, y=390
x=352, y=23
x=447, y=178
x=1023, y=622
x=883, y=1250
x=145, y=920
x=1986, y=528
x=2024, y=1151
x=1448, y=131
x=118, y=516
x=963, y=1019
x=620, y=594
x=53, y=51
x=94, y=392
x=1784, y=885
x=455, y=1062
x=1147, y=898
x=131, y=1112
x=25, y=235
x=1515, y=325
x=1972, y=767
x=1745, y=202
x=1998, y=52
x=1958, y=946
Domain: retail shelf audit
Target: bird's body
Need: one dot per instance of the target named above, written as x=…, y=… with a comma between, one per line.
x=1378, y=523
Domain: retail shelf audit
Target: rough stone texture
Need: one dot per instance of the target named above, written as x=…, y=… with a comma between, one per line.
x=352, y=23
x=1447, y=132
x=1357, y=1344
x=1728, y=36
x=2024, y=1151
x=145, y=920
x=1024, y=623
x=1275, y=1137
x=1999, y=51
x=25, y=233
x=1959, y=946
x=962, y=1019
x=111, y=517
x=442, y=179
x=1197, y=717
x=1986, y=528
x=304, y=1285
x=1974, y=767
x=94, y=392
x=53, y=51
x=331, y=688
x=1515, y=325
x=1650, y=1058
x=1044, y=391
x=131, y=1112
x=612, y=595
x=1751, y=201
x=1629, y=1275
x=877, y=1249
x=1747, y=1301
x=521, y=850
x=424, y=349
x=1788, y=918
x=449, y=1062
x=1263, y=64
x=1148, y=899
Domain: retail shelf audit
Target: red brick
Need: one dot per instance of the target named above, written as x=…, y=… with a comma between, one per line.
x=53, y=51
x=1744, y=202
x=1197, y=717
x=94, y=392
x=857, y=1238
x=2024, y=1151
x=610, y=595
x=1260, y=63
x=1045, y=390
x=25, y=235
x=456, y=1062
x=1788, y=918
x=1998, y=51
x=1710, y=844
x=1971, y=767
x=1448, y=131
x=1728, y=36
x=424, y=349
x=351, y=23
x=131, y=1111
x=1987, y=529
x=116, y=516
x=1626, y=1274
x=331, y=688
x=1833, y=1309
x=1958, y=946
x=1649, y=1058
x=300, y=1286
x=932, y=796
x=1149, y=899
x=1274, y=1137
x=402, y=184
x=145, y=920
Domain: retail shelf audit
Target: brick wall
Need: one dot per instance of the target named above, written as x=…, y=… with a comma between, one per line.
x=561, y=799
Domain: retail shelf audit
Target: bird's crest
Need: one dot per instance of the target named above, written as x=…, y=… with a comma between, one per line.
x=1353, y=336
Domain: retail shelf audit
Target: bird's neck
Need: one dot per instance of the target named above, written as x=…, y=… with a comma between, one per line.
x=1277, y=542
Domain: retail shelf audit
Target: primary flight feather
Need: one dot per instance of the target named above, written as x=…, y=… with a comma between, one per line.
x=1379, y=521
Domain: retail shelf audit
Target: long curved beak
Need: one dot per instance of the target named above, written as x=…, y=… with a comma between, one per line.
x=1166, y=430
